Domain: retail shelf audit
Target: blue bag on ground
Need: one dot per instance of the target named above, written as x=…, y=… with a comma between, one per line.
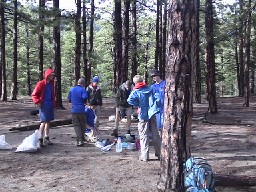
x=198, y=175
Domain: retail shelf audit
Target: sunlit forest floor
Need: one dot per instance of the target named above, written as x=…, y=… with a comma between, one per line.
x=227, y=140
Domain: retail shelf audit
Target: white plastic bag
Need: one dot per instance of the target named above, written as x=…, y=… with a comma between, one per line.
x=30, y=143
x=3, y=144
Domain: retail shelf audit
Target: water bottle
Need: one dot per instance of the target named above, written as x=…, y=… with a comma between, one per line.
x=119, y=145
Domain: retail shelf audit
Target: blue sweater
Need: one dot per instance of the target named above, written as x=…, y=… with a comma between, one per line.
x=77, y=96
x=90, y=116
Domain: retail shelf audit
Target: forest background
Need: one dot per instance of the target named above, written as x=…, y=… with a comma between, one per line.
x=201, y=48
x=87, y=44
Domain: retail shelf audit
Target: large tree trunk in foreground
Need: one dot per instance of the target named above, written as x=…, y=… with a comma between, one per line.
x=178, y=97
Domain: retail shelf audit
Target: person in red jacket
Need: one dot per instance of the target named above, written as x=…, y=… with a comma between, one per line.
x=44, y=97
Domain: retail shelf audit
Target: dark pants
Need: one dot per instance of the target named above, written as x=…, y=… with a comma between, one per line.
x=79, y=123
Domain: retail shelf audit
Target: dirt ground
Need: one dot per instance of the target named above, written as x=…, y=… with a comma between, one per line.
x=226, y=140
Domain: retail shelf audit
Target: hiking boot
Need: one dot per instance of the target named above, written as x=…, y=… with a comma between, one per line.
x=115, y=133
x=47, y=141
x=41, y=142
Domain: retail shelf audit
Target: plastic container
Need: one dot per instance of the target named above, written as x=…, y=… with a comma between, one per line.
x=119, y=145
x=131, y=146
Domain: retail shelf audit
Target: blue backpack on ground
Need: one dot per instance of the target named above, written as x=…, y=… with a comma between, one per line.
x=198, y=175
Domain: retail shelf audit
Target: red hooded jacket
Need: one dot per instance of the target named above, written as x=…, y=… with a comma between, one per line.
x=38, y=93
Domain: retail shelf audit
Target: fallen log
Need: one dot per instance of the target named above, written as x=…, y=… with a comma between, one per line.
x=234, y=180
x=54, y=123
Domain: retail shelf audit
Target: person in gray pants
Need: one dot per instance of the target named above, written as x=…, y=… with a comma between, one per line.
x=77, y=97
x=142, y=97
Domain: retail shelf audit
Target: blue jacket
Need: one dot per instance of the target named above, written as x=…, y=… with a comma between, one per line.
x=77, y=96
x=146, y=101
x=159, y=88
x=90, y=116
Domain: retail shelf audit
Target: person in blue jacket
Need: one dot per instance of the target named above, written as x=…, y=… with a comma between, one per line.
x=159, y=88
x=143, y=97
x=90, y=118
x=77, y=97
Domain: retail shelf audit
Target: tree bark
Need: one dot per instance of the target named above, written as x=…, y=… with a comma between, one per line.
x=86, y=69
x=164, y=41
x=248, y=57
x=210, y=58
x=57, y=52
x=3, y=61
x=125, y=48
x=78, y=41
x=195, y=53
x=54, y=123
x=118, y=44
x=14, y=90
x=157, y=34
x=41, y=39
x=134, y=64
x=241, y=49
x=29, y=88
x=90, y=52
x=178, y=96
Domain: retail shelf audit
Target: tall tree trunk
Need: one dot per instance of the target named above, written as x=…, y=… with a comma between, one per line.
x=163, y=63
x=210, y=58
x=57, y=52
x=90, y=52
x=3, y=62
x=248, y=57
x=241, y=49
x=134, y=64
x=118, y=44
x=178, y=97
x=237, y=67
x=160, y=45
x=125, y=63
x=78, y=41
x=195, y=52
x=86, y=69
x=29, y=88
x=14, y=90
x=41, y=39
x=157, y=34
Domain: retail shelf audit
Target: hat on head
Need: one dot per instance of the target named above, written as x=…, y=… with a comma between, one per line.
x=95, y=79
x=155, y=72
x=81, y=81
